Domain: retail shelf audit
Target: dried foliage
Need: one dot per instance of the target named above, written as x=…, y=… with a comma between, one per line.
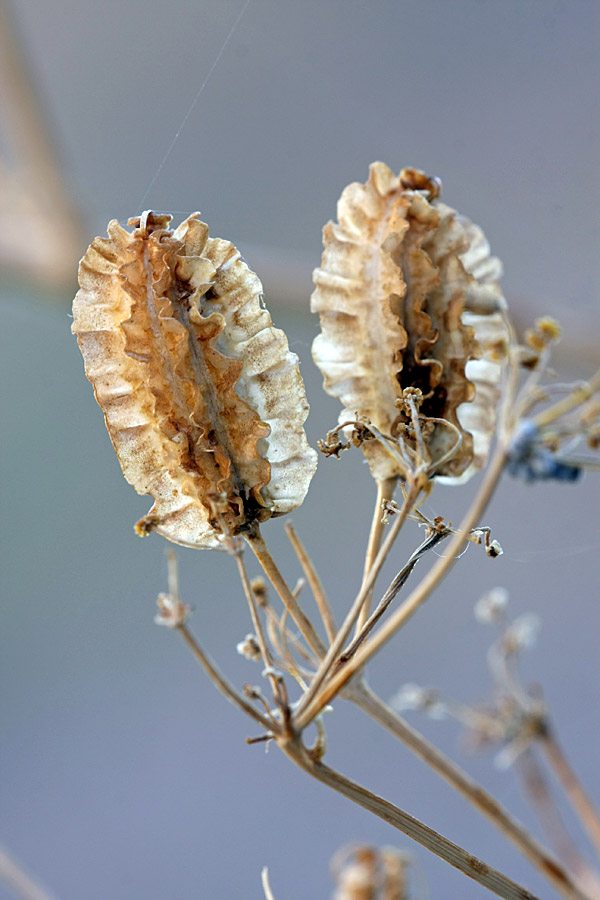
x=205, y=406
x=203, y=401
x=408, y=297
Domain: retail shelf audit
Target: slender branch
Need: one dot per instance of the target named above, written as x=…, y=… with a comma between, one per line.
x=366, y=700
x=448, y=851
x=312, y=705
x=541, y=799
x=18, y=880
x=581, y=393
x=304, y=714
x=314, y=582
x=392, y=591
x=220, y=681
x=571, y=785
x=261, y=551
x=385, y=491
x=264, y=875
x=258, y=628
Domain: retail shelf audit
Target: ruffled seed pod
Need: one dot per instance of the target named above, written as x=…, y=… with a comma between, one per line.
x=202, y=398
x=407, y=295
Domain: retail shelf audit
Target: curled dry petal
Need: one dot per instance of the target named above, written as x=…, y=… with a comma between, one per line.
x=408, y=297
x=202, y=398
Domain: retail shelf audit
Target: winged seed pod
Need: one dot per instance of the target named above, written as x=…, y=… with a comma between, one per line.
x=202, y=399
x=408, y=297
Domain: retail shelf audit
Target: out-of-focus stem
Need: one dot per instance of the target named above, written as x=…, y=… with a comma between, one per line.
x=364, y=698
x=314, y=581
x=574, y=791
x=451, y=853
x=385, y=491
x=578, y=396
x=540, y=796
x=261, y=551
x=18, y=880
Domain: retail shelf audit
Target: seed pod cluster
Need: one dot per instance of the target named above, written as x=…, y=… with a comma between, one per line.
x=203, y=401
x=407, y=295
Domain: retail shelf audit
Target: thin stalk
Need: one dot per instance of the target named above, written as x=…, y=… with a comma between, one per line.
x=258, y=546
x=220, y=681
x=258, y=628
x=451, y=853
x=364, y=698
x=392, y=591
x=314, y=581
x=313, y=704
x=581, y=393
x=385, y=491
x=544, y=804
x=302, y=717
x=14, y=876
x=571, y=785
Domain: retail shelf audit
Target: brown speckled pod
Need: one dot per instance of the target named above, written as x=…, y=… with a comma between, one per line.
x=202, y=399
x=407, y=295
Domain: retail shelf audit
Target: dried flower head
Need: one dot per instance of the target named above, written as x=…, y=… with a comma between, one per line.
x=203, y=401
x=408, y=298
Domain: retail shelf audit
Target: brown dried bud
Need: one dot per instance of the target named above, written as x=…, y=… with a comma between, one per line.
x=202, y=399
x=408, y=298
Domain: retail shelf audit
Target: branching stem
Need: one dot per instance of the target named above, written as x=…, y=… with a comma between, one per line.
x=312, y=702
x=258, y=546
x=305, y=714
x=366, y=700
x=448, y=851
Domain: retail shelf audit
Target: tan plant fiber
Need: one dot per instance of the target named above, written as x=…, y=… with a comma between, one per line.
x=407, y=295
x=203, y=401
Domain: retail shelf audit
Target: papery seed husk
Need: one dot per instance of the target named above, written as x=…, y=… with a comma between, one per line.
x=405, y=292
x=202, y=399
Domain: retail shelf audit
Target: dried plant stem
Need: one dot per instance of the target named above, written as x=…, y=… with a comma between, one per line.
x=571, y=785
x=314, y=581
x=392, y=591
x=304, y=714
x=581, y=393
x=18, y=880
x=264, y=649
x=261, y=551
x=366, y=700
x=385, y=491
x=540, y=796
x=220, y=681
x=448, y=851
x=312, y=705
x=264, y=875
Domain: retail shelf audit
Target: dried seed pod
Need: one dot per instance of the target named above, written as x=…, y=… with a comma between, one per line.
x=407, y=295
x=202, y=399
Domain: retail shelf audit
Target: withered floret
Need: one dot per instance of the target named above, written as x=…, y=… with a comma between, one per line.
x=408, y=297
x=202, y=399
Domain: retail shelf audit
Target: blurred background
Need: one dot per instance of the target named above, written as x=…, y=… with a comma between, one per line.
x=123, y=773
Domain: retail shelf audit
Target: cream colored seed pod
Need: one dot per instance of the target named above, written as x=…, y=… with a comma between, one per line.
x=407, y=296
x=202, y=399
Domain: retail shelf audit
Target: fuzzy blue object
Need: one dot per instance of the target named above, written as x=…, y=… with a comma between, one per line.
x=528, y=458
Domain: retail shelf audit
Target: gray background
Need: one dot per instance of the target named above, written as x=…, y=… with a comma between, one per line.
x=123, y=774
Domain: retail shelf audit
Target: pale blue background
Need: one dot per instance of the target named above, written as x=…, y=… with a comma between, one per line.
x=123, y=775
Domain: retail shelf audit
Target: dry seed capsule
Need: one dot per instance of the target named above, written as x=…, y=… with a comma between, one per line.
x=407, y=294
x=203, y=401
